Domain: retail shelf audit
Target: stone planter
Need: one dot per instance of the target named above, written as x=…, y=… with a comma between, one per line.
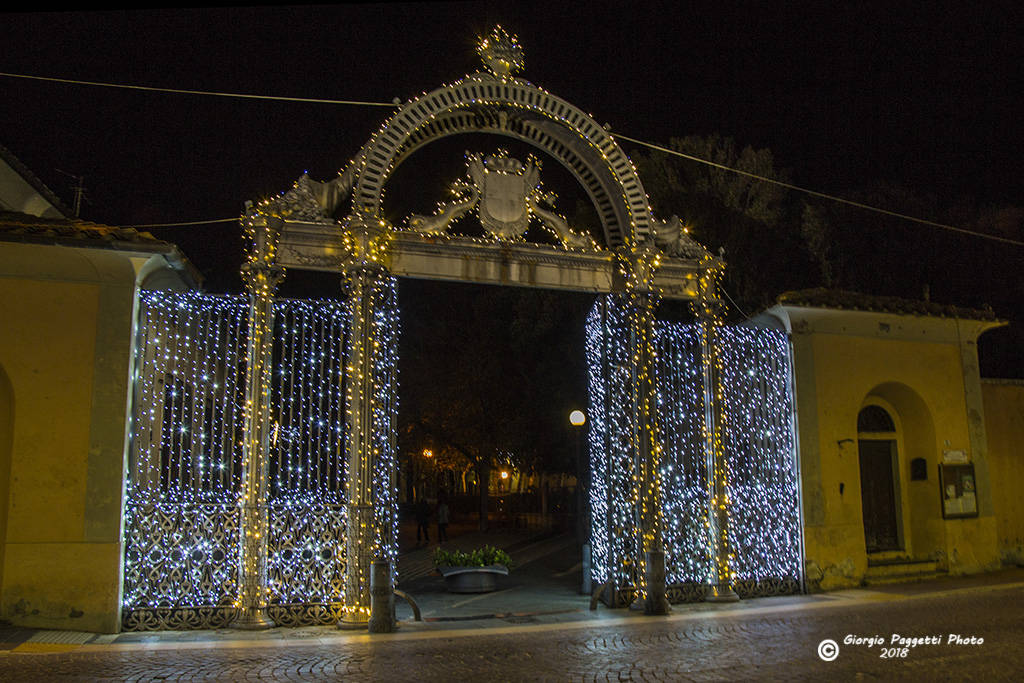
x=472, y=579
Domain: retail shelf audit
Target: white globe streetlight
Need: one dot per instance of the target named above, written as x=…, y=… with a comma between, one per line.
x=577, y=419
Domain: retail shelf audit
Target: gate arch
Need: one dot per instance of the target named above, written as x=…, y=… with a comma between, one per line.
x=515, y=108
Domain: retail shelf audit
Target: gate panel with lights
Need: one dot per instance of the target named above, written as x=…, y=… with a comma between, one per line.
x=752, y=382
x=184, y=493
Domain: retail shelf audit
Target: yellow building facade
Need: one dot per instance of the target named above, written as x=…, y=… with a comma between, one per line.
x=1004, y=424
x=68, y=294
x=896, y=476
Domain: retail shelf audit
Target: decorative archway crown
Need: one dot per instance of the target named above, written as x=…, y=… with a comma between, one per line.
x=495, y=102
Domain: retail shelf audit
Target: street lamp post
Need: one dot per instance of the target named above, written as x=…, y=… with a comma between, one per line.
x=426, y=478
x=577, y=419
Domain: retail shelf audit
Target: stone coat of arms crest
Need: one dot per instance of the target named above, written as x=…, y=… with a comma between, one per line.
x=506, y=193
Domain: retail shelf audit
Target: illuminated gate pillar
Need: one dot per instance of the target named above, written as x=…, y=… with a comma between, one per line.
x=707, y=309
x=262, y=276
x=370, y=405
x=639, y=298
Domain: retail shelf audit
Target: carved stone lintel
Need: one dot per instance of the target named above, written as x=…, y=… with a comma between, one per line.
x=365, y=241
x=303, y=202
x=639, y=266
x=671, y=238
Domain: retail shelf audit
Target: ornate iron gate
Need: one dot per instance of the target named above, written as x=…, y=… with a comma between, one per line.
x=183, y=507
x=752, y=383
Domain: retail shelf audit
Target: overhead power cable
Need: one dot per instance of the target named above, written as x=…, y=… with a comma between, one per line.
x=175, y=225
x=733, y=302
x=821, y=195
x=205, y=92
x=396, y=102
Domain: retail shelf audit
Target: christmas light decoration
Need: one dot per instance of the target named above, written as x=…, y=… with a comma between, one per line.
x=759, y=440
x=756, y=437
x=183, y=498
x=494, y=99
x=262, y=479
x=614, y=494
x=306, y=545
x=371, y=405
x=684, y=472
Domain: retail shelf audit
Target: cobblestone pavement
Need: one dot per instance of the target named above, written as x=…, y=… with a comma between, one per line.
x=775, y=638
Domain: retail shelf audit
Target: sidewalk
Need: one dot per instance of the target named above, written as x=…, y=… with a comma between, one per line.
x=541, y=593
x=416, y=577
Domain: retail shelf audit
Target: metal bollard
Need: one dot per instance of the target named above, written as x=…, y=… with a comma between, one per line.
x=587, y=587
x=656, y=602
x=382, y=598
x=416, y=616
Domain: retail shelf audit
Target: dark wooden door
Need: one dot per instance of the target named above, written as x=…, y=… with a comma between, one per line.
x=878, y=495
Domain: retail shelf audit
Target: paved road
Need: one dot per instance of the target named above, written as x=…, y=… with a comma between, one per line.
x=771, y=639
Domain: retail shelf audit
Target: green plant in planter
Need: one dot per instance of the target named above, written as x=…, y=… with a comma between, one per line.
x=481, y=557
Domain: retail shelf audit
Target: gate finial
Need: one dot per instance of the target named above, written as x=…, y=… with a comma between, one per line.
x=501, y=52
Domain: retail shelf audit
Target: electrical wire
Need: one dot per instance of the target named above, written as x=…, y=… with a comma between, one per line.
x=733, y=302
x=185, y=223
x=820, y=195
x=206, y=92
x=660, y=148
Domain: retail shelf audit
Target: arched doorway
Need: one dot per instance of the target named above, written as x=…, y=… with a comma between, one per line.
x=878, y=452
x=6, y=444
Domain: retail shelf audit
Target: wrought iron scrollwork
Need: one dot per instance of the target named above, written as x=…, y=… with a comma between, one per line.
x=181, y=565
x=306, y=563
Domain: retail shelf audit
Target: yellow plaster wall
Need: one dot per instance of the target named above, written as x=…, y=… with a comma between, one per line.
x=921, y=384
x=1004, y=423
x=61, y=541
x=49, y=361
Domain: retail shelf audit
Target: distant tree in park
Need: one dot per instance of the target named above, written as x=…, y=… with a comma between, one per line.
x=488, y=375
x=751, y=220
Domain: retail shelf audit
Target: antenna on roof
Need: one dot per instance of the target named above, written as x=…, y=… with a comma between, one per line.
x=78, y=188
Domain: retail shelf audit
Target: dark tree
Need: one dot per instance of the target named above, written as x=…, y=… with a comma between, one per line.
x=751, y=220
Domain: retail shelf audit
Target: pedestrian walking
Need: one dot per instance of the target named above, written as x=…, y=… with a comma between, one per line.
x=422, y=520
x=442, y=520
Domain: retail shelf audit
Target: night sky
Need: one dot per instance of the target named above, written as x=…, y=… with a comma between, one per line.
x=922, y=94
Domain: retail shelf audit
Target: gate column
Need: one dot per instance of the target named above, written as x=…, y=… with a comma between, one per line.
x=370, y=388
x=639, y=265
x=707, y=308
x=262, y=276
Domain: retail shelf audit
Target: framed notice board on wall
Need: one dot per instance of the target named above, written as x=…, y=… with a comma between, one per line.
x=956, y=486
